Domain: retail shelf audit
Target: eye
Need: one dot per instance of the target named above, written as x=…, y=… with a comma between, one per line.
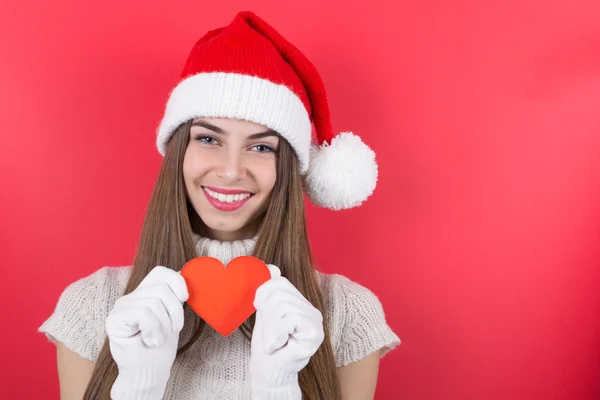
x=206, y=139
x=263, y=148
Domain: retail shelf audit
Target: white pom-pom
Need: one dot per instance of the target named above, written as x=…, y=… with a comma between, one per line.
x=342, y=174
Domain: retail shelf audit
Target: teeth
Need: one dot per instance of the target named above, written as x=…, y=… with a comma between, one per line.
x=227, y=198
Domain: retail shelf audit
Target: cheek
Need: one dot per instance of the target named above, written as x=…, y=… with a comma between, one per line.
x=188, y=170
x=268, y=177
x=193, y=167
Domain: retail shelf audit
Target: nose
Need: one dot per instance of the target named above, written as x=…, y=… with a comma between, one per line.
x=232, y=168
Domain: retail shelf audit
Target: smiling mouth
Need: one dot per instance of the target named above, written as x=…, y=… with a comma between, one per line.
x=227, y=198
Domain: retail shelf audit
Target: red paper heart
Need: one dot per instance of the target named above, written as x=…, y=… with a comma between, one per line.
x=224, y=296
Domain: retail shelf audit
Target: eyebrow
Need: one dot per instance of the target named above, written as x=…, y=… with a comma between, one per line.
x=216, y=129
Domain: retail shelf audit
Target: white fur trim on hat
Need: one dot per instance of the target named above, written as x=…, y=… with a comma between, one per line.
x=238, y=96
x=342, y=174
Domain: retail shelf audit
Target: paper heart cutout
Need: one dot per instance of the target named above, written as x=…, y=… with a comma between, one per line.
x=224, y=296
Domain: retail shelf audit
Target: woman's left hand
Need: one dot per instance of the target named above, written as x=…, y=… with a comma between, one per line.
x=287, y=333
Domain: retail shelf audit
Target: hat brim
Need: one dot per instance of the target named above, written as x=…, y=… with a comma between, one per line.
x=238, y=96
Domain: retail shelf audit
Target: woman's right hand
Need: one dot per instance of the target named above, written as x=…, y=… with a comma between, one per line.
x=143, y=332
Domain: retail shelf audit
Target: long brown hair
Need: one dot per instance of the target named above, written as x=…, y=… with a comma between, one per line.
x=166, y=239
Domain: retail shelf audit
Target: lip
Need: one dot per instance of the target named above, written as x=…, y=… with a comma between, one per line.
x=223, y=206
x=226, y=191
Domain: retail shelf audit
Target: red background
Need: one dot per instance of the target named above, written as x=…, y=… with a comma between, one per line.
x=481, y=240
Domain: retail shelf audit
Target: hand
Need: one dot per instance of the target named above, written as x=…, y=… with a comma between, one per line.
x=143, y=332
x=287, y=333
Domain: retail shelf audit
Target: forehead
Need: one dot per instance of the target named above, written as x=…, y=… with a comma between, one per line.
x=234, y=125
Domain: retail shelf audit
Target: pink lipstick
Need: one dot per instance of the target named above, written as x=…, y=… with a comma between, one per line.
x=226, y=199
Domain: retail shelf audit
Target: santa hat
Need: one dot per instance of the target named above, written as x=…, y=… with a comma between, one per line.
x=248, y=71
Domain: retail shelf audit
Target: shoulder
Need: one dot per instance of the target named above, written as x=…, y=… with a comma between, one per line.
x=82, y=307
x=96, y=292
x=104, y=281
x=357, y=321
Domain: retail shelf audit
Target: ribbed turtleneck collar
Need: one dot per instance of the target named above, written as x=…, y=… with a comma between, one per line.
x=224, y=251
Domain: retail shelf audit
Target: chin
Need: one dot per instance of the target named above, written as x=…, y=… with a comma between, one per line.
x=220, y=223
x=224, y=226
x=224, y=223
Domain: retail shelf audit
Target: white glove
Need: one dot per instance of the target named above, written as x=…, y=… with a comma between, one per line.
x=287, y=333
x=143, y=331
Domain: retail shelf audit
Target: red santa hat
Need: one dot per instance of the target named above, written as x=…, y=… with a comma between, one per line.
x=248, y=71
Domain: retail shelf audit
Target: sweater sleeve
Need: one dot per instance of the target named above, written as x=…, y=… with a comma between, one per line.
x=80, y=313
x=359, y=324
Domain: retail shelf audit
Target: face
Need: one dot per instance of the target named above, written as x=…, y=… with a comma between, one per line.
x=229, y=170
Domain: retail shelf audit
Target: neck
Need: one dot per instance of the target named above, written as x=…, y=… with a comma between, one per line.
x=224, y=251
x=248, y=231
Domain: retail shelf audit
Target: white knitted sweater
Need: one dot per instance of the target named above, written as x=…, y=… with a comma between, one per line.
x=216, y=367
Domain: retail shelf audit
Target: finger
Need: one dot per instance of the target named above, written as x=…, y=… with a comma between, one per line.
x=173, y=279
x=119, y=324
x=147, y=316
x=275, y=334
x=290, y=306
x=279, y=295
x=306, y=331
x=266, y=289
x=172, y=305
x=275, y=339
x=128, y=322
x=260, y=292
x=302, y=344
x=151, y=327
x=286, y=315
x=282, y=301
x=162, y=292
x=273, y=285
x=274, y=270
x=298, y=351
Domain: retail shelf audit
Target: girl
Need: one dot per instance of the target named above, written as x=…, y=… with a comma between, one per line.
x=236, y=139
